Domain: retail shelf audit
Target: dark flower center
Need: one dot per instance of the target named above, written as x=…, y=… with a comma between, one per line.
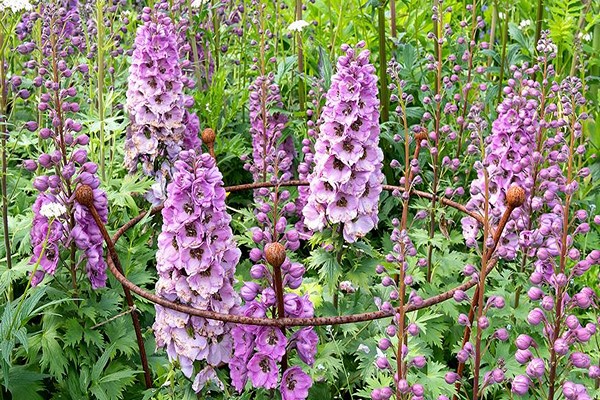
x=337, y=164
x=338, y=130
x=205, y=273
x=348, y=146
x=187, y=207
x=264, y=365
x=197, y=253
x=190, y=230
x=174, y=244
x=356, y=124
x=328, y=186
x=342, y=202
x=272, y=339
x=291, y=384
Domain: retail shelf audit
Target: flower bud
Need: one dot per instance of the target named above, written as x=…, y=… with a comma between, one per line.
x=520, y=385
x=580, y=360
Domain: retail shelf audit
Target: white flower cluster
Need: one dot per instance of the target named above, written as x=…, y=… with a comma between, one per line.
x=52, y=210
x=15, y=5
x=298, y=26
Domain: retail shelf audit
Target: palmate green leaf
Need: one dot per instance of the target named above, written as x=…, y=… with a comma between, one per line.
x=327, y=363
x=53, y=359
x=327, y=266
x=112, y=384
x=378, y=380
x=24, y=383
x=73, y=332
x=433, y=379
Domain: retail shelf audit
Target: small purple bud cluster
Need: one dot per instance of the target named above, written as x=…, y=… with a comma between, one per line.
x=68, y=164
x=161, y=127
x=347, y=180
x=315, y=95
x=196, y=262
x=402, y=249
x=271, y=161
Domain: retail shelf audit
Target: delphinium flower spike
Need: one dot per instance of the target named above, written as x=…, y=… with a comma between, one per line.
x=161, y=126
x=196, y=262
x=347, y=180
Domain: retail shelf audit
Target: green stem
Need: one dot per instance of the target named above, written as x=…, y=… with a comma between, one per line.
x=4, y=134
x=538, y=23
x=300, y=52
x=503, y=56
x=100, y=39
x=383, y=94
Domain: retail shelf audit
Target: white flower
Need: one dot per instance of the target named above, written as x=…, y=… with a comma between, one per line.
x=52, y=210
x=15, y=5
x=198, y=3
x=501, y=15
x=297, y=26
x=363, y=347
x=525, y=23
x=586, y=38
x=320, y=367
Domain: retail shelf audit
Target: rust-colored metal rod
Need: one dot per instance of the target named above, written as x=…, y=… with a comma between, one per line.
x=492, y=263
x=281, y=322
x=391, y=188
x=85, y=196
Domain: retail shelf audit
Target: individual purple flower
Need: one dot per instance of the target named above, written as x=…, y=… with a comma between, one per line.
x=263, y=371
x=295, y=384
x=346, y=180
x=271, y=341
x=196, y=262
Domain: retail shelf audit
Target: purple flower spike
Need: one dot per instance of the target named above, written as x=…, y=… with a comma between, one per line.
x=346, y=180
x=196, y=262
x=161, y=127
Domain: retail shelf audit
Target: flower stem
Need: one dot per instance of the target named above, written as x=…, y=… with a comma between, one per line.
x=3, y=140
x=128, y=298
x=300, y=52
x=100, y=39
x=383, y=94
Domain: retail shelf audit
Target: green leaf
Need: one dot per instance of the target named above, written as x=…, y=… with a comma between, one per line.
x=24, y=383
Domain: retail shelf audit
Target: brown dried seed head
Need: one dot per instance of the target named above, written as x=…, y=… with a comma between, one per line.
x=275, y=254
x=84, y=195
x=208, y=136
x=421, y=135
x=515, y=196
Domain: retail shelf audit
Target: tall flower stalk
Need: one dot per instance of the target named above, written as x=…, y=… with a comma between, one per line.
x=196, y=263
x=346, y=180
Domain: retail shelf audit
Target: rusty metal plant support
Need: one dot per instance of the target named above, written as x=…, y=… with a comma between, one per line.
x=279, y=322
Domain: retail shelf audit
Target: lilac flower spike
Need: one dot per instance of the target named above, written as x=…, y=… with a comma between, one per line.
x=161, y=126
x=196, y=262
x=347, y=178
x=509, y=161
